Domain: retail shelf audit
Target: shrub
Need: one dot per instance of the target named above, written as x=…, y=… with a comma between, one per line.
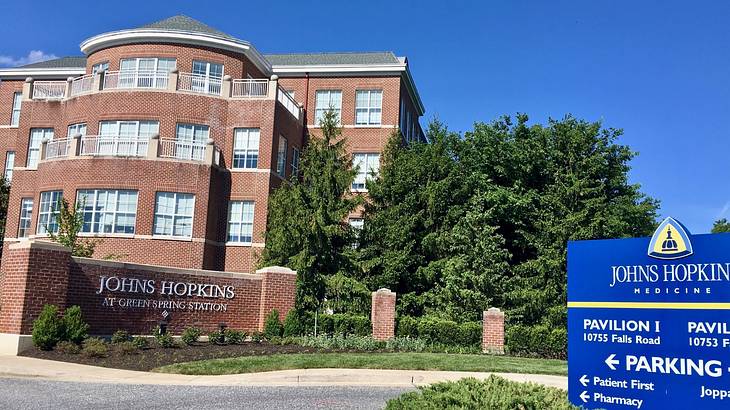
x=470, y=334
x=537, y=341
x=95, y=347
x=437, y=330
x=406, y=344
x=48, y=328
x=68, y=347
x=234, y=337
x=165, y=341
x=407, y=327
x=127, y=348
x=293, y=325
x=216, y=338
x=257, y=337
x=494, y=393
x=75, y=329
x=140, y=343
x=190, y=335
x=340, y=342
x=120, y=336
x=345, y=324
x=272, y=326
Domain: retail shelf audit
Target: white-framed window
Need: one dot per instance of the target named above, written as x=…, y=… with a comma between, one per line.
x=246, y=148
x=357, y=223
x=281, y=156
x=295, y=162
x=174, y=214
x=367, y=164
x=127, y=128
x=240, y=222
x=126, y=138
x=9, y=164
x=26, y=214
x=145, y=72
x=326, y=100
x=49, y=210
x=37, y=135
x=368, y=107
x=191, y=140
x=207, y=77
x=17, y=103
x=103, y=66
x=108, y=210
x=74, y=129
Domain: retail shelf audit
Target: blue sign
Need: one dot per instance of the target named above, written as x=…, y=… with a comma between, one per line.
x=649, y=321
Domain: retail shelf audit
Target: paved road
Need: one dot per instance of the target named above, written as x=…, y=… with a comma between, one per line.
x=41, y=394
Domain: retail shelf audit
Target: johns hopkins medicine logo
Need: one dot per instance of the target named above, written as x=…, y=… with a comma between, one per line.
x=670, y=241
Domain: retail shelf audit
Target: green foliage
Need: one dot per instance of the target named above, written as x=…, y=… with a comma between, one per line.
x=216, y=338
x=258, y=337
x=306, y=227
x=190, y=335
x=470, y=334
x=70, y=223
x=407, y=327
x=48, y=328
x=234, y=337
x=537, y=341
x=74, y=328
x=494, y=393
x=340, y=342
x=95, y=347
x=437, y=330
x=272, y=325
x=293, y=326
x=127, y=348
x=66, y=347
x=344, y=324
x=140, y=343
x=165, y=341
x=721, y=226
x=4, y=195
x=120, y=336
x=347, y=295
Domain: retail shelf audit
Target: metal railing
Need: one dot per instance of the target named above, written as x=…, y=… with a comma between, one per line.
x=57, y=148
x=82, y=85
x=249, y=88
x=287, y=101
x=200, y=84
x=185, y=150
x=156, y=79
x=49, y=90
x=114, y=145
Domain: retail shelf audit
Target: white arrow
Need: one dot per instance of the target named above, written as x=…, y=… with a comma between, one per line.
x=584, y=380
x=611, y=362
x=585, y=396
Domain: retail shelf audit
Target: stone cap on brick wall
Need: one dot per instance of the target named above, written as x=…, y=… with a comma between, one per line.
x=36, y=244
x=276, y=269
x=493, y=312
x=385, y=291
x=164, y=269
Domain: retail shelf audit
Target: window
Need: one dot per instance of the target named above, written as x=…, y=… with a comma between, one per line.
x=240, y=222
x=75, y=129
x=326, y=100
x=292, y=93
x=26, y=214
x=294, y=162
x=245, y=148
x=356, y=224
x=17, y=102
x=108, y=211
x=191, y=141
x=148, y=72
x=9, y=164
x=368, y=107
x=207, y=77
x=49, y=210
x=99, y=67
x=367, y=165
x=37, y=135
x=281, y=157
x=174, y=214
x=126, y=138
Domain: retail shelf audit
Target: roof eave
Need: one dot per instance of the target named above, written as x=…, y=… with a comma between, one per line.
x=41, y=73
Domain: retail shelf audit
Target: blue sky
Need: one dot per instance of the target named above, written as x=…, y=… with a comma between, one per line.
x=658, y=69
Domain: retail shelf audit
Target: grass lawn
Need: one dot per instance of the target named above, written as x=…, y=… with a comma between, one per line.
x=403, y=361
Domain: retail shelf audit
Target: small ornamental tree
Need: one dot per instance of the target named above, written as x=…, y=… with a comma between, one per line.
x=75, y=329
x=48, y=328
x=272, y=325
x=70, y=223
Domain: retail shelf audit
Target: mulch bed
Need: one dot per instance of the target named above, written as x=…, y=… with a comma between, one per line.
x=153, y=357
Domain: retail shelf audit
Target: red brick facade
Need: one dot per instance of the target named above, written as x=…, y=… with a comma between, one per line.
x=493, y=331
x=383, y=314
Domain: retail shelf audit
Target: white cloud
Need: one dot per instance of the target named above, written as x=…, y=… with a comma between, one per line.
x=33, y=56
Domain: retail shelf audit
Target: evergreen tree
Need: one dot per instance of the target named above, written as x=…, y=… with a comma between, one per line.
x=721, y=226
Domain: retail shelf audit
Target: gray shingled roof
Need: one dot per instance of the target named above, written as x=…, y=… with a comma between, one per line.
x=185, y=23
x=63, y=62
x=373, y=57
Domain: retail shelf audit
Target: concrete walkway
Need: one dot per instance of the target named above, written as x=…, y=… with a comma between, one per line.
x=30, y=368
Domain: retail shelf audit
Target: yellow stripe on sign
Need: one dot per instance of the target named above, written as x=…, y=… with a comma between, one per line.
x=650, y=305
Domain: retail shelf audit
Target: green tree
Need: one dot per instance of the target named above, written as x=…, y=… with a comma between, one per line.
x=721, y=226
x=4, y=196
x=70, y=223
x=307, y=228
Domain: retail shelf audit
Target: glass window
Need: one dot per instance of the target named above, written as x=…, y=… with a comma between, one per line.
x=174, y=214
x=26, y=214
x=17, y=102
x=108, y=210
x=240, y=222
x=9, y=164
x=368, y=107
x=281, y=157
x=75, y=129
x=49, y=210
x=146, y=72
x=100, y=67
x=37, y=135
x=246, y=148
x=207, y=77
x=191, y=141
x=294, y=162
x=367, y=165
x=357, y=223
x=326, y=100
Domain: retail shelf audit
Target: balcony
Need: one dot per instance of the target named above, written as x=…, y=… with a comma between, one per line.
x=155, y=79
x=49, y=90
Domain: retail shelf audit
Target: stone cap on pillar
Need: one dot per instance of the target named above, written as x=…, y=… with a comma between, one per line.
x=276, y=269
x=36, y=244
x=384, y=291
x=493, y=312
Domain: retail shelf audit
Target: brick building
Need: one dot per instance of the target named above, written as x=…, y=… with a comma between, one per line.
x=173, y=135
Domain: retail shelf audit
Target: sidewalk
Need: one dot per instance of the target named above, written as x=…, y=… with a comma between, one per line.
x=29, y=368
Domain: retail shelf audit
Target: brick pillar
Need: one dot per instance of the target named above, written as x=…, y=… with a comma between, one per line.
x=493, y=331
x=35, y=273
x=382, y=315
x=278, y=291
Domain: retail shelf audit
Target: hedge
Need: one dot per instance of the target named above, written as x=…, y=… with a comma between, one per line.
x=537, y=341
x=440, y=331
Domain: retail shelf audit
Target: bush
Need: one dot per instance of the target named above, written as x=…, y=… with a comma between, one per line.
x=68, y=347
x=272, y=326
x=190, y=335
x=470, y=334
x=537, y=341
x=127, y=348
x=293, y=324
x=340, y=342
x=216, y=338
x=140, y=343
x=165, y=341
x=257, y=337
x=120, y=336
x=95, y=347
x=437, y=330
x=407, y=327
x=494, y=393
x=406, y=344
x=75, y=329
x=345, y=324
x=234, y=337
x=48, y=328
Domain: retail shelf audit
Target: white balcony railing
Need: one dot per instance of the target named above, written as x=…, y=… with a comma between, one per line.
x=200, y=84
x=185, y=150
x=249, y=88
x=57, y=148
x=82, y=85
x=114, y=145
x=136, y=79
x=288, y=102
x=49, y=90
